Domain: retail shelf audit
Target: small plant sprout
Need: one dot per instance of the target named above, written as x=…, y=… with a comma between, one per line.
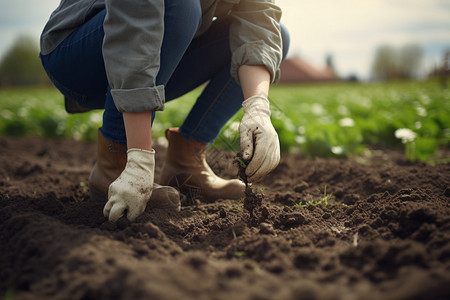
x=240, y=162
x=407, y=136
x=324, y=200
x=326, y=197
x=236, y=253
x=84, y=187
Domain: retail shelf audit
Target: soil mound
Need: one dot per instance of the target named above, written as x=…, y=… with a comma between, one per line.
x=383, y=234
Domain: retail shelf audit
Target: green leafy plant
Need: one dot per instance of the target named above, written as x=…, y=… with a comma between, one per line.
x=326, y=120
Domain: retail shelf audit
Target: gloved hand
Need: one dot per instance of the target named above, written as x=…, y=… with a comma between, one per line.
x=259, y=140
x=132, y=189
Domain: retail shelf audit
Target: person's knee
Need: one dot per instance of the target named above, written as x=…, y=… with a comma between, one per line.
x=193, y=11
x=188, y=12
x=286, y=40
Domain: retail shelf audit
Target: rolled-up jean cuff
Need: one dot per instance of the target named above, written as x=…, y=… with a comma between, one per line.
x=139, y=100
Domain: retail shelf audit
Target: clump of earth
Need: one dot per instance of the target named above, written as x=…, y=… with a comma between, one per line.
x=252, y=200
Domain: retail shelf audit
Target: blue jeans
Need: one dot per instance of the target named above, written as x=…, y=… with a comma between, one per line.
x=77, y=69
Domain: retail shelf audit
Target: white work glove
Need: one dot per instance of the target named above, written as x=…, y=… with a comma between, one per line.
x=132, y=189
x=259, y=140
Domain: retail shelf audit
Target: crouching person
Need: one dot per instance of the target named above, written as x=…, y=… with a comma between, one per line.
x=131, y=57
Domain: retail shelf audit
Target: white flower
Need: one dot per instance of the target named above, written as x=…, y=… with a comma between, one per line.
x=347, y=122
x=6, y=114
x=234, y=126
x=421, y=111
x=425, y=99
x=405, y=134
x=23, y=112
x=338, y=150
x=96, y=118
x=301, y=130
x=343, y=110
x=289, y=125
x=228, y=133
x=300, y=139
x=317, y=109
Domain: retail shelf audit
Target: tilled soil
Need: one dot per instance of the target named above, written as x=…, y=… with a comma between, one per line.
x=384, y=234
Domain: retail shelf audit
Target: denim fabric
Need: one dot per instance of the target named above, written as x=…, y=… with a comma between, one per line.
x=77, y=69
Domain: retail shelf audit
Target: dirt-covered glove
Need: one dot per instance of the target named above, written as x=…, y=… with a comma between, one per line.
x=259, y=140
x=131, y=191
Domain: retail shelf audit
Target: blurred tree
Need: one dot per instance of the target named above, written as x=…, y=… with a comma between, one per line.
x=21, y=65
x=410, y=61
x=445, y=69
x=402, y=63
x=384, y=65
x=352, y=78
x=442, y=70
x=329, y=63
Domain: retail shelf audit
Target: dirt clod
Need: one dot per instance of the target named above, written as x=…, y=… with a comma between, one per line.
x=252, y=200
x=266, y=228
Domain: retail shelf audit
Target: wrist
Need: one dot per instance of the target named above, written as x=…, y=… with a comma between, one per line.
x=143, y=151
x=138, y=130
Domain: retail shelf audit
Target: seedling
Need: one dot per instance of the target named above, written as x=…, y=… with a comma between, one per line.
x=236, y=253
x=323, y=200
x=84, y=187
x=241, y=162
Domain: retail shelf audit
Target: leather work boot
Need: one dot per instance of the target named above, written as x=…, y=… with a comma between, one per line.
x=186, y=169
x=111, y=161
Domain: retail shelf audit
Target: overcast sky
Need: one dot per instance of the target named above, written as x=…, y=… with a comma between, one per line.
x=350, y=30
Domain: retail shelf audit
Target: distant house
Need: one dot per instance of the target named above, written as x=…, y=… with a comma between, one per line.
x=296, y=70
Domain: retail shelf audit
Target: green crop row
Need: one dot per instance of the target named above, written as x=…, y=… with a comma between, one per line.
x=343, y=119
x=332, y=120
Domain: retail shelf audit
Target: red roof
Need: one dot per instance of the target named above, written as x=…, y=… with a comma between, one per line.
x=296, y=69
